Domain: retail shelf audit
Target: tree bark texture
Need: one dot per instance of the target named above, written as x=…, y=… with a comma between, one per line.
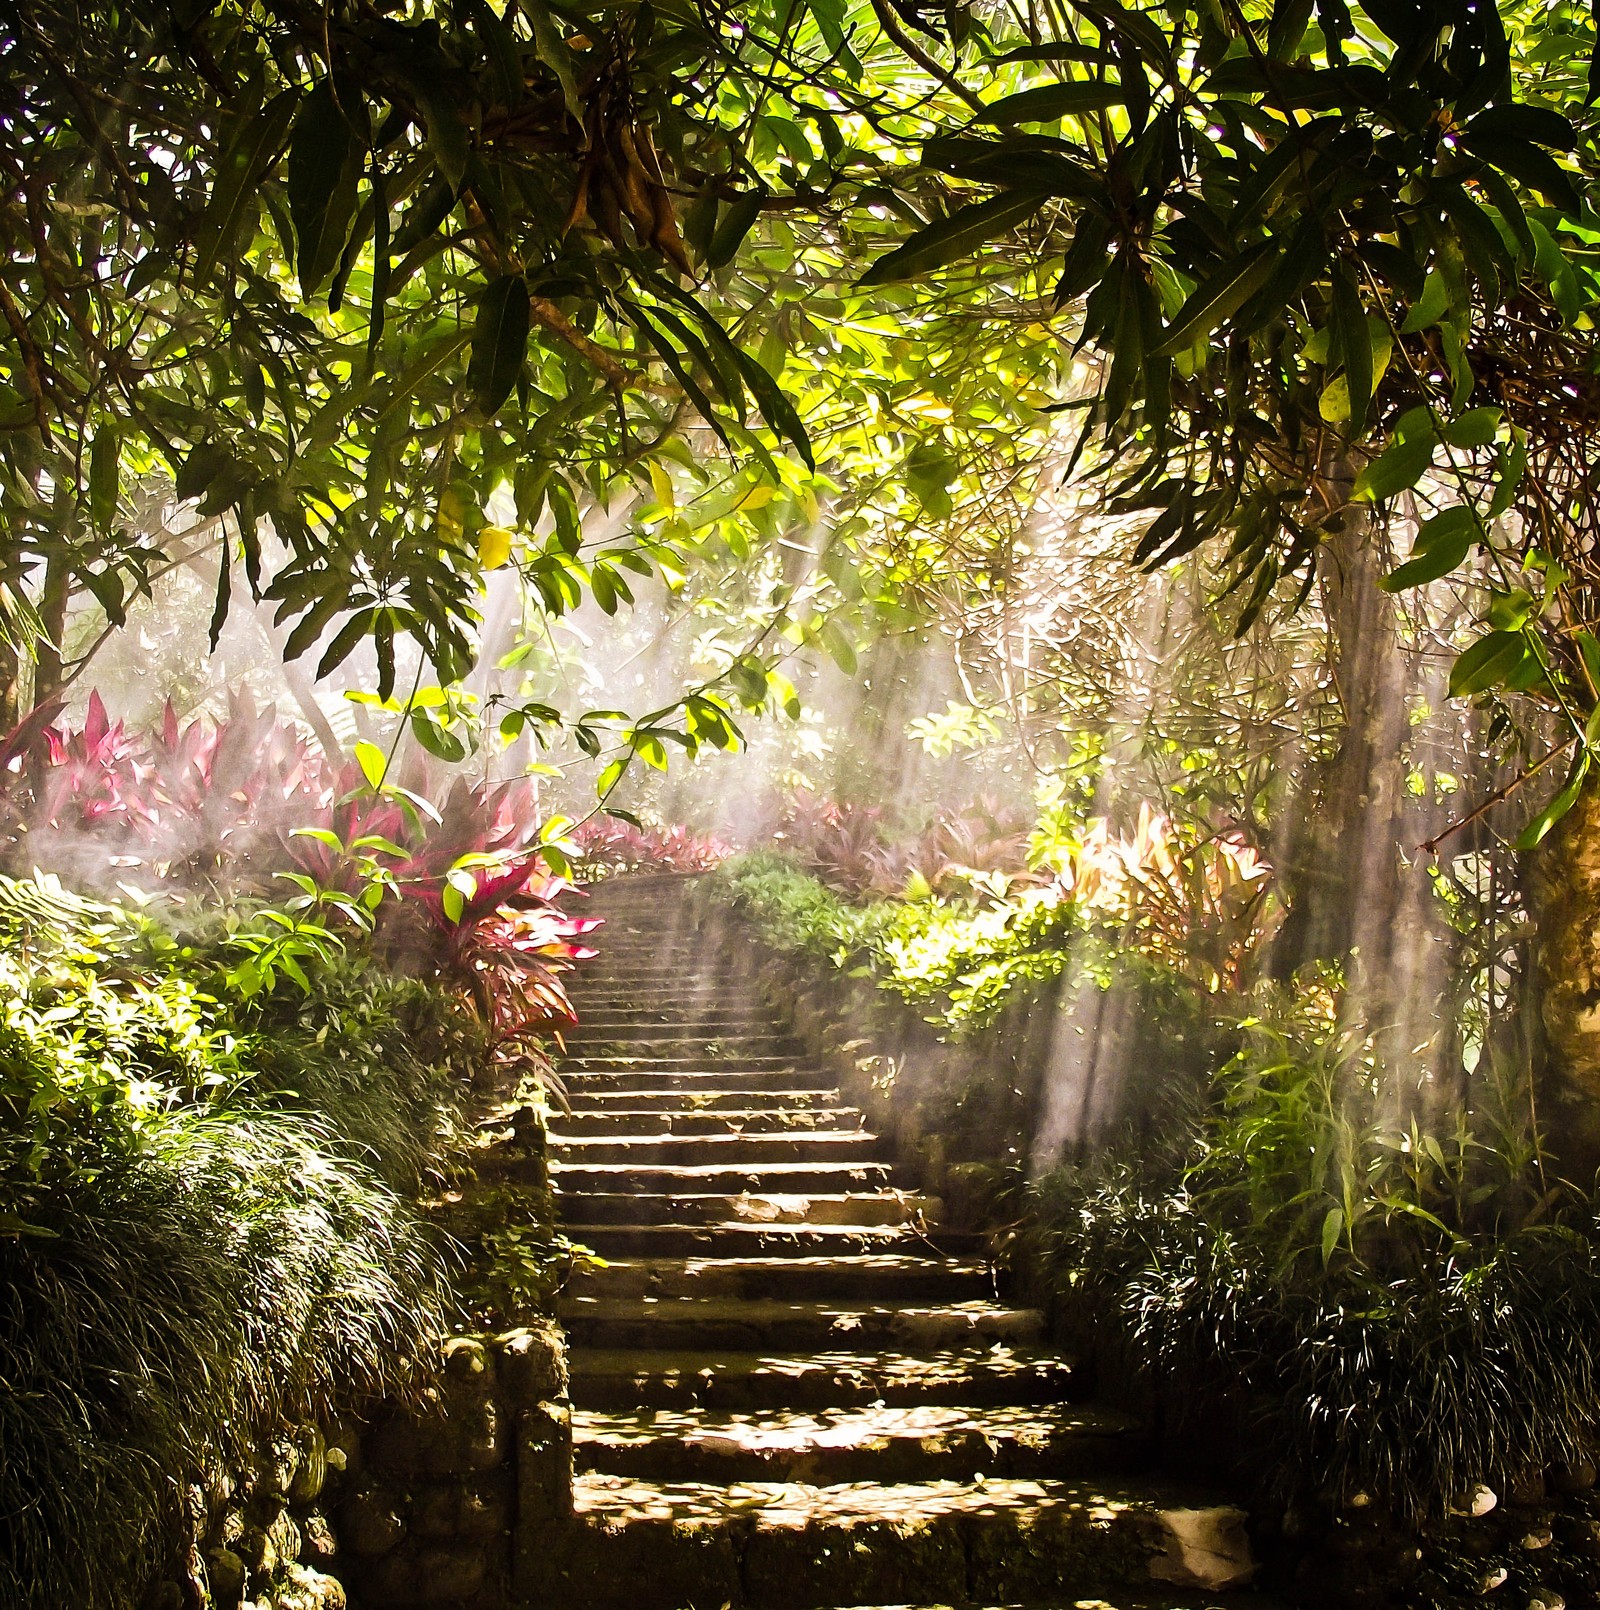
x=1564, y=895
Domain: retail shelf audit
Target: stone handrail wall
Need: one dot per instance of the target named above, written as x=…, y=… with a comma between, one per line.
x=435, y=1504
x=444, y=1499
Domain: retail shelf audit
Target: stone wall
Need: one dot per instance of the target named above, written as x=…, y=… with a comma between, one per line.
x=1051, y=1078
x=955, y=1114
x=437, y=1504
x=442, y=1492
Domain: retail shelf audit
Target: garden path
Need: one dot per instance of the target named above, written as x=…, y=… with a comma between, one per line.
x=791, y=1389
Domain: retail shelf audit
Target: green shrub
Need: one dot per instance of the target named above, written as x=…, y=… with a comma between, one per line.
x=388, y=1062
x=1404, y=1308
x=961, y=961
x=204, y=1225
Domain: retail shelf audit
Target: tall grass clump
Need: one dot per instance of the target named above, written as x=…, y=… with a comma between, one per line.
x=1396, y=1306
x=194, y=1252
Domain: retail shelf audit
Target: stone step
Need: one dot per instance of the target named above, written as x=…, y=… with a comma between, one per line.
x=661, y=967
x=691, y=1082
x=663, y=1120
x=617, y=941
x=627, y=1379
x=885, y=1443
x=718, y=1179
x=617, y=1001
x=885, y=1276
x=709, y=1066
x=1121, y=1599
x=732, y=1150
x=755, y=1240
x=691, y=1017
x=655, y=1044
x=722, y=1324
x=784, y=1546
x=601, y=1096
x=680, y=958
x=763, y=1208
x=664, y=989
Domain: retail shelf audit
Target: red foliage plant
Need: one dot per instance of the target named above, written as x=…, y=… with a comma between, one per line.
x=233, y=804
x=611, y=845
x=850, y=847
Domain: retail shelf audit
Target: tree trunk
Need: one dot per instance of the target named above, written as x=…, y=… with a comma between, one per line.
x=53, y=616
x=1342, y=863
x=1564, y=899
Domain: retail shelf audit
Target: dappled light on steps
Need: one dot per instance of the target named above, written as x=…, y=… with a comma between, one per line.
x=792, y=1388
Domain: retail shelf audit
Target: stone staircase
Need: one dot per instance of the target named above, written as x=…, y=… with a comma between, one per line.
x=791, y=1389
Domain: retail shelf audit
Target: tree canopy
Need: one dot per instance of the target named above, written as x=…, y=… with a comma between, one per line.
x=377, y=297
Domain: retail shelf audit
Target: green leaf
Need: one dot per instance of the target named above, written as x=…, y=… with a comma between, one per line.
x=435, y=739
x=324, y=170
x=1511, y=464
x=611, y=776
x=320, y=834
x=104, y=477
x=1332, y=1228
x=733, y=226
x=1050, y=102
x=776, y=408
x=447, y=134
x=1430, y=307
x=1442, y=544
x=1487, y=663
x=499, y=342
x=1220, y=297
x=1519, y=121
x=749, y=679
x=428, y=365
x=553, y=51
x=955, y=237
x=254, y=147
x=373, y=763
x=1428, y=564
x=1355, y=348
x=1535, y=831
x=1395, y=469
x=500, y=45
x=1475, y=428
x=1530, y=165
x=1509, y=611
x=1557, y=272
x=603, y=586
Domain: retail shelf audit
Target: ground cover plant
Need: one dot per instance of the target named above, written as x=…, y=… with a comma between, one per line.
x=207, y=1227
x=964, y=941
x=1398, y=1294
x=223, y=1095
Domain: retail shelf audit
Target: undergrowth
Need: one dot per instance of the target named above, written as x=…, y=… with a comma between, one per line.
x=961, y=961
x=1400, y=1307
x=205, y=1223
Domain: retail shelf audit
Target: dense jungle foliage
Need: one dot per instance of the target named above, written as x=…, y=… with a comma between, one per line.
x=223, y=1097
x=1391, y=1288
x=209, y=1229
x=441, y=288
x=1168, y=427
